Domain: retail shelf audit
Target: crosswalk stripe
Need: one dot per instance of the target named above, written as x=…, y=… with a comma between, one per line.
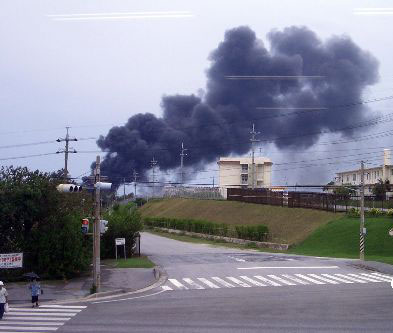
x=166, y=288
x=323, y=278
x=252, y=281
x=239, y=282
x=209, y=283
x=222, y=282
x=377, y=277
x=310, y=279
x=44, y=310
x=61, y=314
x=193, y=284
x=350, y=278
x=289, y=283
x=177, y=284
x=64, y=306
x=272, y=283
x=364, y=278
x=29, y=328
x=293, y=278
x=37, y=318
x=13, y=322
x=337, y=278
x=384, y=275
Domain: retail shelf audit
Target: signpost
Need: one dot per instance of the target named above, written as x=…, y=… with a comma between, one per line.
x=11, y=260
x=119, y=242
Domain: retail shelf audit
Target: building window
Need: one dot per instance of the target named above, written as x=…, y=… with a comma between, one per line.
x=377, y=173
x=354, y=177
x=244, y=167
x=392, y=172
x=367, y=176
x=347, y=178
x=244, y=179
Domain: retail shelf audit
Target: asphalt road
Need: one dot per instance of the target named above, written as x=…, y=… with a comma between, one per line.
x=214, y=289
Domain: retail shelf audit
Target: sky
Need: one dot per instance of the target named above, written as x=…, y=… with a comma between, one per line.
x=94, y=71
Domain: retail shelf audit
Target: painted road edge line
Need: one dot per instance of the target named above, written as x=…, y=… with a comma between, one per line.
x=284, y=267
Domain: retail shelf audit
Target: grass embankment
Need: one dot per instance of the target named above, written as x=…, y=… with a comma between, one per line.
x=134, y=262
x=340, y=239
x=286, y=225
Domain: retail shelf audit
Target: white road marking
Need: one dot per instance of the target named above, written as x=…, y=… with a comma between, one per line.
x=323, y=278
x=293, y=278
x=350, y=278
x=337, y=278
x=384, y=275
x=29, y=328
x=377, y=277
x=281, y=280
x=209, y=283
x=272, y=283
x=36, y=318
x=237, y=259
x=252, y=281
x=61, y=314
x=238, y=282
x=177, y=284
x=222, y=282
x=285, y=267
x=310, y=279
x=364, y=278
x=166, y=288
x=193, y=284
x=129, y=298
x=64, y=306
x=13, y=322
x=45, y=310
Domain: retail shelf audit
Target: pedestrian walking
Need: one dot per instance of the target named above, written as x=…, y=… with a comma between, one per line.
x=35, y=289
x=3, y=299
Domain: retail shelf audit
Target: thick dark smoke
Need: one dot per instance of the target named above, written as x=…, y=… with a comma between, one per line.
x=219, y=124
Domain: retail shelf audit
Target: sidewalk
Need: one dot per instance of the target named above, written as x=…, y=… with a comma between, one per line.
x=116, y=280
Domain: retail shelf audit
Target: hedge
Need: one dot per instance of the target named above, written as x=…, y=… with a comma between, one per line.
x=373, y=212
x=249, y=232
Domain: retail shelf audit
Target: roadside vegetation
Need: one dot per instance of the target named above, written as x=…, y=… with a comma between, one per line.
x=285, y=225
x=134, y=262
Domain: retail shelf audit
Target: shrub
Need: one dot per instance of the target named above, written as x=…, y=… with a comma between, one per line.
x=250, y=232
x=354, y=212
x=375, y=212
x=389, y=212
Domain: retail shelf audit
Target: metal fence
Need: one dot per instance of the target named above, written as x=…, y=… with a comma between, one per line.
x=313, y=200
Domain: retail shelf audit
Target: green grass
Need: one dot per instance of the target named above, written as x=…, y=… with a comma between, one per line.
x=286, y=225
x=340, y=239
x=134, y=262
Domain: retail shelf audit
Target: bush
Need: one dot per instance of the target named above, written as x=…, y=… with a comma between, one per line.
x=354, y=212
x=375, y=212
x=389, y=212
x=250, y=232
x=124, y=221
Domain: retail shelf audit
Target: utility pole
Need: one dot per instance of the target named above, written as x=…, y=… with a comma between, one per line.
x=213, y=182
x=135, y=174
x=96, y=228
x=253, y=140
x=66, y=151
x=153, y=164
x=182, y=154
x=362, y=233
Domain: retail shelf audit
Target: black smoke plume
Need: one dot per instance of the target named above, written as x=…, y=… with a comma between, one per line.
x=219, y=123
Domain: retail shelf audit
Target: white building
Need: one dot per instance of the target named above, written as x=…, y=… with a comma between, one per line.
x=237, y=172
x=371, y=175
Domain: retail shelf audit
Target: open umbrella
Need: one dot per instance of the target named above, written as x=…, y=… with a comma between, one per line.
x=31, y=276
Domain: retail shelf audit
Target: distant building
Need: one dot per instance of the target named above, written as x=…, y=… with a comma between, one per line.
x=237, y=173
x=371, y=175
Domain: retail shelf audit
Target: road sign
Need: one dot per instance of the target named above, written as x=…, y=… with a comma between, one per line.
x=11, y=260
x=120, y=241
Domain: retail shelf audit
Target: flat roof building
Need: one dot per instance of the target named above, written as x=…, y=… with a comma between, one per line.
x=237, y=173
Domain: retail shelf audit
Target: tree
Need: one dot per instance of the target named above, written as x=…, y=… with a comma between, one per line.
x=380, y=189
x=124, y=221
x=42, y=223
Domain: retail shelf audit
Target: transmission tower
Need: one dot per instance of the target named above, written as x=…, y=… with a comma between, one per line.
x=67, y=150
x=153, y=164
x=182, y=155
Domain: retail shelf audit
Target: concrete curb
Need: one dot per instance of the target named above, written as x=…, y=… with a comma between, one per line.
x=269, y=245
x=159, y=274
